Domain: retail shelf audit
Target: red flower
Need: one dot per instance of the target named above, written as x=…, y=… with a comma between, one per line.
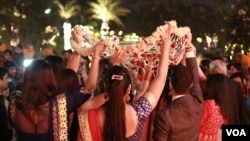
x=144, y=54
x=172, y=58
x=159, y=43
x=139, y=63
x=172, y=45
x=135, y=55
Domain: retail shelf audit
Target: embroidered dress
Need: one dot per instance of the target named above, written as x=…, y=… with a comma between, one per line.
x=143, y=109
x=211, y=122
x=90, y=127
x=52, y=119
x=60, y=122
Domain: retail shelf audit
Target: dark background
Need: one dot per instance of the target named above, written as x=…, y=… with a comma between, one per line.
x=204, y=17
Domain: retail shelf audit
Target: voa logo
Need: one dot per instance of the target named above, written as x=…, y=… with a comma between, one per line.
x=236, y=132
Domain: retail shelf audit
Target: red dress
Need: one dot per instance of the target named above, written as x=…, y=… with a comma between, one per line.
x=211, y=121
x=90, y=129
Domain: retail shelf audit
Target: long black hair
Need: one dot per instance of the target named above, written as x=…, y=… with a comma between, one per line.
x=216, y=88
x=117, y=82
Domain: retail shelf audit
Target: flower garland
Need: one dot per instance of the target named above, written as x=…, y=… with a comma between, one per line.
x=141, y=53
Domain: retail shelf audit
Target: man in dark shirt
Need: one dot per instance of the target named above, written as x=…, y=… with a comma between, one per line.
x=6, y=133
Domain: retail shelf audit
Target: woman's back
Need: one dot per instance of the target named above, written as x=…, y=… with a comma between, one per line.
x=211, y=122
x=131, y=121
x=31, y=109
x=35, y=128
x=92, y=121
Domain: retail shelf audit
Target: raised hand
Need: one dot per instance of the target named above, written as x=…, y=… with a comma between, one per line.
x=188, y=38
x=77, y=34
x=165, y=32
x=99, y=48
x=190, y=47
x=118, y=57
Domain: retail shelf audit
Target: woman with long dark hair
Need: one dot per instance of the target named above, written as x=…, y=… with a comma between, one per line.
x=118, y=120
x=67, y=81
x=40, y=114
x=216, y=111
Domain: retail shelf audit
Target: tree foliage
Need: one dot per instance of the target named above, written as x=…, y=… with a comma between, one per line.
x=28, y=17
x=68, y=10
x=238, y=27
x=228, y=20
x=108, y=10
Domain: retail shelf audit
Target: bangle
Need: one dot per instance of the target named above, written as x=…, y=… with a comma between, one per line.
x=96, y=56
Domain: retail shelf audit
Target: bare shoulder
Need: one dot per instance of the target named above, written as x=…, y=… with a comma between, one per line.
x=131, y=121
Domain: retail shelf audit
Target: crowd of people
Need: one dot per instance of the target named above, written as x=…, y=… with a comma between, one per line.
x=73, y=97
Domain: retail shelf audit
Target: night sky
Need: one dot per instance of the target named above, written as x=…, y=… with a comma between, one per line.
x=203, y=2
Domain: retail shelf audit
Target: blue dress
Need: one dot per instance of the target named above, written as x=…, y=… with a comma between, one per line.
x=143, y=109
x=26, y=130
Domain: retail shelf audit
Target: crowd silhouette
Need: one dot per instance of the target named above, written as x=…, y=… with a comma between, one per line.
x=72, y=97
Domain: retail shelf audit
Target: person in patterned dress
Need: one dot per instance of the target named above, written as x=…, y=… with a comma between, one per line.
x=118, y=120
x=39, y=114
x=214, y=114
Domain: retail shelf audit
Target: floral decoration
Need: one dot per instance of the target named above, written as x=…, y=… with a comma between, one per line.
x=141, y=53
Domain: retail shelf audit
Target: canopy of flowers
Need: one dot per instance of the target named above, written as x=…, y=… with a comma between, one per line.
x=140, y=54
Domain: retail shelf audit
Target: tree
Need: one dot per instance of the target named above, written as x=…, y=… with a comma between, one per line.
x=106, y=11
x=70, y=9
x=238, y=28
x=202, y=18
x=28, y=20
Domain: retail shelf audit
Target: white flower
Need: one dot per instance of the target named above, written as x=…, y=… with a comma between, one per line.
x=144, y=45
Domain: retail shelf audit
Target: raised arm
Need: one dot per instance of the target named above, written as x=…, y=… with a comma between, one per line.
x=156, y=86
x=202, y=76
x=94, y=69
x=191, y=61
x=93, y=103
x=145, y=84
x=100, y=99
x=74, y=60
